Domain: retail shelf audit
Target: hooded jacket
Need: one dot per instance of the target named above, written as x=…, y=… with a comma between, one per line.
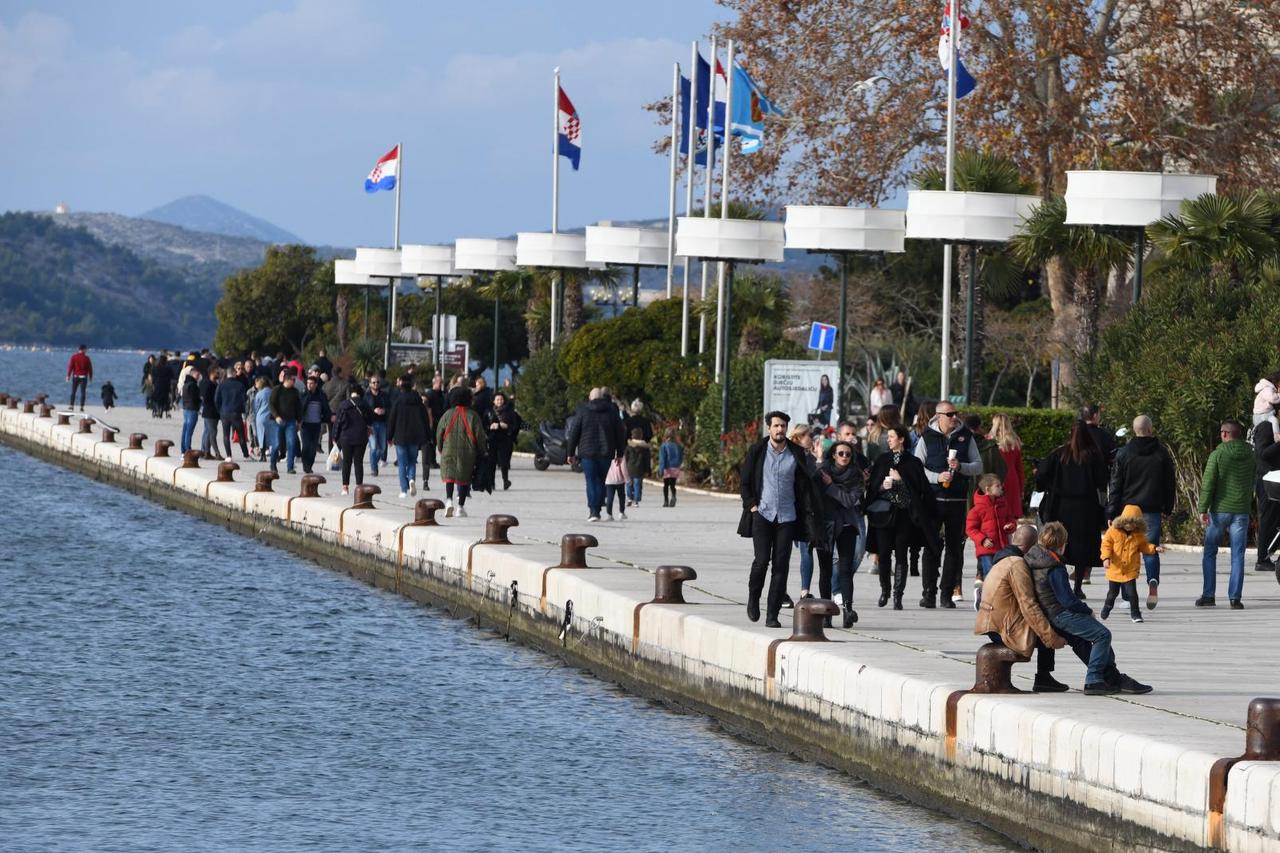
x=987, y=519
x=1143, y=475
x=1266, y=397
x=407, y=422
x=351, y=424
x=1227, y=485
x=1053, y=589
x=1124, y=543
x=597, y=431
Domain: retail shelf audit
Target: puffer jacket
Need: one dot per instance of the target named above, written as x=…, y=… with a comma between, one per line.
x=460, y=439
x=1143, y=475
x=1266, y=397
x=1228, y=478
x=597, y=431
x=1124, y=543
x=1053, y=589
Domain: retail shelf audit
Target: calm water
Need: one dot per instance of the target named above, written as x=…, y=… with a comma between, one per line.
x=28, y=372
x=166, y=684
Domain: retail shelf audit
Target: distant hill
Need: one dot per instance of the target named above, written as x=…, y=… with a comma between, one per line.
x=170, y=245
x=60, y=284
x=201, y=213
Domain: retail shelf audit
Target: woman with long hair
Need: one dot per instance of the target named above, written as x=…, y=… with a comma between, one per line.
x=1010, y=447
x=901, y=508
x=878, y=433
x=802, y=435
x=826, y=400
x=1072, y=476
x=839, y=479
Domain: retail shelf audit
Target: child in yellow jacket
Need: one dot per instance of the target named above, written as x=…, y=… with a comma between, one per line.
x=1122, y=548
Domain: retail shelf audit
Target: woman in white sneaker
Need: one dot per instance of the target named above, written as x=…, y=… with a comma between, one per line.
x=460, y=439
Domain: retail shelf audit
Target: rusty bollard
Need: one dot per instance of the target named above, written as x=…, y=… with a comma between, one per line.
x=424, y=512
x=12, y=403
x=4, y=399
x=668, y=588
x=162, y=448
x=28, y=407
x=86, y=426
x=40, y=398
x=496, y=527
x=262, y=482
x=994, y=669
x=807, y=624
x=108, y=436
x=46, y=411
x=225, y=471
x=364, y=496
x=136, y=439
x=573, y=550
x=63, y=420
x=191, y=459
x=1261, y=743
x=311, y=486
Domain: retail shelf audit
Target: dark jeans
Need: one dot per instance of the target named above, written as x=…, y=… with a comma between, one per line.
x=80, y=383
x=428, y=459
x=1130, y=594
x=951, y=515
x=209, y=438
x=772, y=543
x=189, y=419
x=893, y=542
x=1044, y=655
x=594, y=470
x=1091, y=641
x=352, y=456
x=668, y=489
x=234, y=423
x=285, y=444
x=1152, y=561
x=310, y=444
x=845, y=545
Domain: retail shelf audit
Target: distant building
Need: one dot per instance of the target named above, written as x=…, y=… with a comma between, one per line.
x=61, y=208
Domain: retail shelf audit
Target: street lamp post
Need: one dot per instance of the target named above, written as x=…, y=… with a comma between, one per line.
x=436, y=262
x=384, y=265
x=487, y=256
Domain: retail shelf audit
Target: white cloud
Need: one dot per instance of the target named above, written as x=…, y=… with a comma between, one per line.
x=37, y=44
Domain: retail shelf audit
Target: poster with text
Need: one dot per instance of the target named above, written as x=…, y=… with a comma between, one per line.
x=797, y=388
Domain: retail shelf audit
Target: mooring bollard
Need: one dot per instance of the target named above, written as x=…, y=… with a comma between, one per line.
x=668, y=588
x=994, y=669
x=40, y=398
x=162, y=448
x=1261, y=743
x=810, y=615
x=364, y=496
x=573, y=550
x=496, y=527
x=226, y=470
x=311, y=486
x=28, y=407
x=424, y=512
x=86, y=426
x=12, y=403
x=262, y=482
x=108, y=436
x=191, y=459
x=63, y=420
x=46, y=411
x=136, y=439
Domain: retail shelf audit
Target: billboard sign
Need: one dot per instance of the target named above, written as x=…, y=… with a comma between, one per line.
x=792, y=387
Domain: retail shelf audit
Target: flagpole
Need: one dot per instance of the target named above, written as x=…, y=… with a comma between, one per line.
x=722, y=313
x=952, y=33
x=706, y=190
x=395, y=282
x=671, y=199
x=555, y=200
x=690, y=156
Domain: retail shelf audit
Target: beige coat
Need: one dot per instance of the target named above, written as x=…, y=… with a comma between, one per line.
x=1009, y=608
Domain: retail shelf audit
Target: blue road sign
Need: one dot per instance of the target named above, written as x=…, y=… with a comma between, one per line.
x=822, y=337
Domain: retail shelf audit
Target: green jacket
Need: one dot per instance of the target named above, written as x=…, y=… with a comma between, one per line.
x=460, y=439
x=1228, y=478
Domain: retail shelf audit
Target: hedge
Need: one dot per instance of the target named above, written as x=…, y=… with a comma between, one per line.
x=1041, y=430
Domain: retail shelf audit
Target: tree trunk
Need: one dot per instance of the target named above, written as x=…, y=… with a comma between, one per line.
x=532, y=328
x=1065, y=323
x=965, y=258
x=573, y=307
x=1031, y=381
x=340, y=308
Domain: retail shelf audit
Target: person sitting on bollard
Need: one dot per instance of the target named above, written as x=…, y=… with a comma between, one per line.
x=1008, y=613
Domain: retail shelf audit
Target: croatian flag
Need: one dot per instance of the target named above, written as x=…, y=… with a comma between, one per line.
x=570, y=131
x=964, y=80
x=383, y=176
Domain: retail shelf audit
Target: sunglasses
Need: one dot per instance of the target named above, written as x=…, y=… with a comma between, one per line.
x=948, y=414
x=843, y=454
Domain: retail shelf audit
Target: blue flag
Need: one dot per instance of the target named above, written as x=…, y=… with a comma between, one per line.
x=750, y=107
x=699, y=104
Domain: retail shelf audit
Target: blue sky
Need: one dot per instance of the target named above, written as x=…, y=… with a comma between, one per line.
x=282, y=108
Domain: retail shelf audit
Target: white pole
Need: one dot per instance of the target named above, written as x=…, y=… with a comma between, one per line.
x=691, y=130
x=555, y=201
x=395, y=282
x=675, y=160
x=722, y=313
x=706, y=190
x=953, y=18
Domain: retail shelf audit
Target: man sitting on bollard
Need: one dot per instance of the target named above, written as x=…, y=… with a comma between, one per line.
x=1008, y=613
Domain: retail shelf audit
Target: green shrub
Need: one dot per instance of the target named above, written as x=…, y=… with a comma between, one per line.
x=1041, y=430
x=541, y=392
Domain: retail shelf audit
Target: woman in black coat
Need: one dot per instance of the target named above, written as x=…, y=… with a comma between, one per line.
x=1072, y=477
x=839, y=480
x=351, y=428
x=161, y=378
x=407, y=430
x=502, y=423
x=901, y=508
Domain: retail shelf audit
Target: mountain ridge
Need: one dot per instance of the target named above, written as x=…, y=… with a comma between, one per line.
x=206, y=214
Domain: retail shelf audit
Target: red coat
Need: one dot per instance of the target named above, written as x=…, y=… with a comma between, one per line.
x=987, y=520
x=1013, y=482
x=79, y=365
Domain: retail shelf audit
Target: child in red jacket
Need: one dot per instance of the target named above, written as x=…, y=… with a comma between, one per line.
x=988, y=525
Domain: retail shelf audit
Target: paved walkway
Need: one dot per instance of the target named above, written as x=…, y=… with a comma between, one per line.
x=1205, y=664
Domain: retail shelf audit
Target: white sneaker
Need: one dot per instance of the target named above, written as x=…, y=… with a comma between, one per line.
x=593, y=518
x=977, y=594
x=344, y=490
x=622, y=516
x=839, y=600
x=609, y=516
x=413, y=488
x=461, y=512
x=448, y=510
x=404, y=495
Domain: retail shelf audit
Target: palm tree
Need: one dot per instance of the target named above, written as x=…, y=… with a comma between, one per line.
x=1226, y=237
x=760, y=309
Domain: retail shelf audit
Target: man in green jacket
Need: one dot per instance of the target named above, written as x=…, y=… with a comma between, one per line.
x=1225, y=494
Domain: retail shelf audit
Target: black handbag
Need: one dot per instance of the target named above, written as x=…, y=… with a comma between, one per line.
x=880, y=513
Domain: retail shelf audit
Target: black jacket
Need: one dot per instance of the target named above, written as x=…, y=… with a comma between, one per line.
x=501, y=438
x=190, y=394
x=810, y=526
x=922, y=508
x=208, y=398
x=436, y=404
x=351, y=424
x=1142, y=475
x=318, y=397
x=482, y=400
x=640, y=422
x=285, y=402
x=1105, y=441
x=407, y=421
x=597, y=431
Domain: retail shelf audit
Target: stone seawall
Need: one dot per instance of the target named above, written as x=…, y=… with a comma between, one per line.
x=1043, y=772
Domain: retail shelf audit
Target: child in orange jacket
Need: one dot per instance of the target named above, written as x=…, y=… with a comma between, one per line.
x=988, y=524
x=1122, y=548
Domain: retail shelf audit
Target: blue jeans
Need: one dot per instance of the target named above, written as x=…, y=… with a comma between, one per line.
x=984, y=565
x=406, y=464
x=635, y=488
x=806, y=565
x=594, y=470
x=190, y=417
x=286, y=444
x=377, y=445
x=1091, y=641
x=1152, y=561
x=860, y=550
x=1236, y=525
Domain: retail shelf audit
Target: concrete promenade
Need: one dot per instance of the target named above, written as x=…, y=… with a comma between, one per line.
x=1061, y=771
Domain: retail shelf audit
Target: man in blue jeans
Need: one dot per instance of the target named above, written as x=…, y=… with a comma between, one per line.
x=379, y=402
x=595, y=438
x=1143, y=475
x=1226, y=494
x=191, y=403
x=286, y=410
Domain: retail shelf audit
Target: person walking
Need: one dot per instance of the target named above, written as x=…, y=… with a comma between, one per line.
x=840, y=483
x=901, y=507
x=209, y=414
x=378, y=402
x=336, y=390
x=407, y=430
x=481, y=395
x=502, y=424
x=637, y=419
x=1103, y=439
x=160, y=399
x=316, y=415
x=1010, y=446
x=190, y=408
x=230, y=399
x=285, y=405
x=351, y=434
x=1124, y=541
x=460, y=439
x=780, y=504
x=639, y=457
x=803, y=435
x=879, y=397
x=1071, y=477
x=1225, y=493
x=950, y=457
x=595, y=438
x=79, y=374
x=670, y=463
x=261, y=414
x=1143, y=475
x=1266, y=456
x=1010, y=615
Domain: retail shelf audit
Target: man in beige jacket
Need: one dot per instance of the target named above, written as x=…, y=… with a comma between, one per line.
x=1009, y=613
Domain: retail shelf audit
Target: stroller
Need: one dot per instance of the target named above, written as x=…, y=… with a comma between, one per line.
x=1271, y=488
x=551, y=447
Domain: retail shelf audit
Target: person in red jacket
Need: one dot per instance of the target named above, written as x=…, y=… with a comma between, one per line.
x=988, y=524
x=79, y=374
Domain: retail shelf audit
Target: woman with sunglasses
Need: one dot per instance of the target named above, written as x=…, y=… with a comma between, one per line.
x=839, y=479
x=901, y=508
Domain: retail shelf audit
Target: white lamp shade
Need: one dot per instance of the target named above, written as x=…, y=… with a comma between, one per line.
x=427, y=260
x=378, y=262
x=484, y=255
x=729, y=239
x=966, y=217
x=1133, y=199
x=825, y=228
x=557, y=251
x=631, y=246
x=344, y=273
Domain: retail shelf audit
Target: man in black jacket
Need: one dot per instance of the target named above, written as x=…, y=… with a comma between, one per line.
x=316, y=415
x=190, y=407
x=1143, y=476
x=285, y=405
x=595, y=439
x=779, y=506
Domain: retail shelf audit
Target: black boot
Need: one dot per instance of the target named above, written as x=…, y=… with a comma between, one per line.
x=897, y=602
x=929, y=602
x=753, y=609
x=884, y=598
x=850, y=617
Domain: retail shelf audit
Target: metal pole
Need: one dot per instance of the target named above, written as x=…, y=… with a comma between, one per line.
x=386, y=344
x=844, y=323
x=952, y=19
x=671, y=200
x=722, y=310
x=399, y=182
x=723, y=332
x=968, y=324
x=1137, y=264
x=497, y=332
x=366, y=312
x=555, y=305
x=635, y=285
x=394, y=282
x=706, y=187
x=555, y=163
x=439, y=327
